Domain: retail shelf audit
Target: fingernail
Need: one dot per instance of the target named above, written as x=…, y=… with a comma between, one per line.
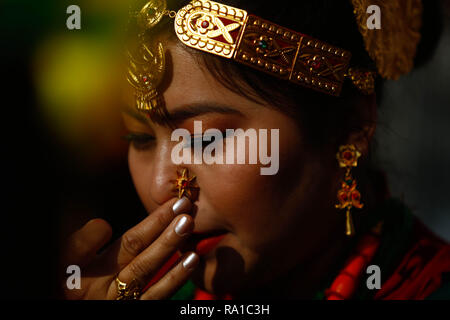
x=183, y=226
x=191, y=261
x=183, y=205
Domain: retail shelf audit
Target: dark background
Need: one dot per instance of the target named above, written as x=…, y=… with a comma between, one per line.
x=51, y=180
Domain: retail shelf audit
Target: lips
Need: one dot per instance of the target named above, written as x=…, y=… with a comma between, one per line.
x=206, y=245
x=204, y=242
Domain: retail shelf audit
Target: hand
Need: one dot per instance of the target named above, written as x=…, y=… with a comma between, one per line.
x=138, y=254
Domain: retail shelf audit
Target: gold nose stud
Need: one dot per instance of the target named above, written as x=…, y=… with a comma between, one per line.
x=185, y=185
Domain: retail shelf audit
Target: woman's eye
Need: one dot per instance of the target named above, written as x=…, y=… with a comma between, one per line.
x=140, y=141
x=201, y=140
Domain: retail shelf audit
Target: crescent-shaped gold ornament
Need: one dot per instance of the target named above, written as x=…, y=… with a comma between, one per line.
x=393, y=47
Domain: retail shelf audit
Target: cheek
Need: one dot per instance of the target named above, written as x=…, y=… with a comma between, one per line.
x=138, y=163
x=248, y=202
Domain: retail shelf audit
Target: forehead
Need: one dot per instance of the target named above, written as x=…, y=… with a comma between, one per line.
x=188, y=80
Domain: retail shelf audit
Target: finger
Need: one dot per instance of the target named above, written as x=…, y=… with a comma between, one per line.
x=138, y=238
x=84, y=244
x=174, y=279
x=146, y=265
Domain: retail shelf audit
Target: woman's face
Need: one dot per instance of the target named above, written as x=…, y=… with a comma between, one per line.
x=272, y=222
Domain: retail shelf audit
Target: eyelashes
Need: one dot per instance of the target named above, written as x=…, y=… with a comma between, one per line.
x=140, y=141
x=199, y=140
x=143, y=141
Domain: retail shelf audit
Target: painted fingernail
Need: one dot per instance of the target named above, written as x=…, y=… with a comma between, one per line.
x=191, y=261
x=183, y=226
x=183, y=205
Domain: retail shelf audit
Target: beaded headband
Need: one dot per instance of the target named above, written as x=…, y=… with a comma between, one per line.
x=234, y=34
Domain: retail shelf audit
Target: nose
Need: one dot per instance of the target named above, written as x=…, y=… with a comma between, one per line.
x=163, y=174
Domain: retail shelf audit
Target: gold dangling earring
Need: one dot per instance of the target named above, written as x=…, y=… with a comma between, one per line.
x=348, y=196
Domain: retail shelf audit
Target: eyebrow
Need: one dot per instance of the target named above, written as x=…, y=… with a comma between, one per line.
x=187, y=111
x=135, y=114
x=192, y=110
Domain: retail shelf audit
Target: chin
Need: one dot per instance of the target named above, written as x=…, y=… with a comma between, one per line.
x=220, y=271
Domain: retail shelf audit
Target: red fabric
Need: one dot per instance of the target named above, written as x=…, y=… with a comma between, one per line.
x=203, y=295
x=344, y=285
x=420, y=272
x=164, y=269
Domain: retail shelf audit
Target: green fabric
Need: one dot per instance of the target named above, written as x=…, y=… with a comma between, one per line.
x=186, y=292
x=443, y=293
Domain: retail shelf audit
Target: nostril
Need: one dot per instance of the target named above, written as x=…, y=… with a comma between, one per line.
x=194, y=210
x=160, y=189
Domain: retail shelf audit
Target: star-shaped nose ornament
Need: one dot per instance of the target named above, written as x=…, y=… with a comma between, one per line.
x=185, y=185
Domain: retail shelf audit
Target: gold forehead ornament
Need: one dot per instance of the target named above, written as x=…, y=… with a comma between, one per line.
x=234, y=34
x=147, y=65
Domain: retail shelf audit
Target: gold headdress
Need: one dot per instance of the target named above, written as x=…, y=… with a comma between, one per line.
x=234, y=34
